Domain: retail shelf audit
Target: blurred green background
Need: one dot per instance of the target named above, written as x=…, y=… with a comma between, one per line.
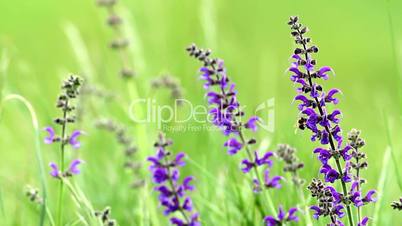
x=46, y=40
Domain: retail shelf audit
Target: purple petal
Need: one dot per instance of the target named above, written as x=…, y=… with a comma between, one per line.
x=74, y=139
x=55, y=170
x=73, y=169
x=51, y=135
x=252, y=123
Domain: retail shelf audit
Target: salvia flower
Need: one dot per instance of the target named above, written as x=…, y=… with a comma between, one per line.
x=173, y=192
x=329, y=201
x=73, y=169
x=226, y=114
x=315, y=115
x=65, y=102
x=282, y=217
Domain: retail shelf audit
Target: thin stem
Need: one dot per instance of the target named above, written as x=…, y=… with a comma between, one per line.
x=61, y=163
x=333, y=147
x=121, y=52
x=255, y=169
x=303, y=199
x=249, y=153
x=176, y=196
x=358, y=186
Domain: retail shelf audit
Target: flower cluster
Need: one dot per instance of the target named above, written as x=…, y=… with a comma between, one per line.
x=282, y=217
x=128, y=145
x=226, y=114
x=120, y=44
x=316, y=116
x=292, y=164
x=172, y=192
x=70, y=91
x=172, y=84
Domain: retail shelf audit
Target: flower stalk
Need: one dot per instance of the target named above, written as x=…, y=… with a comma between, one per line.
x=325, y=127
x=70, y=91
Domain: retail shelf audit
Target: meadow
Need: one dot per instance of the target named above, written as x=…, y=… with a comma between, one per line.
x=43, y=42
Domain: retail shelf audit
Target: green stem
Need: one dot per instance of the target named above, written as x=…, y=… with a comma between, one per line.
x=186, y=218
x=61, y=163
x=255, y=169
x=358, y=187
x=303, y=199
x=331, y=142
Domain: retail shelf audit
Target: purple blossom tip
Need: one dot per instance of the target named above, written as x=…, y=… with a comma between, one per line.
x=73, y=141
x=51, y=135
x=54, y=170
x=73, y=169
x=233, y=146
x=282, y=217
x=252, y=123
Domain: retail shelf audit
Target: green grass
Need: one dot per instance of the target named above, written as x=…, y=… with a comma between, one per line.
x=41, y=42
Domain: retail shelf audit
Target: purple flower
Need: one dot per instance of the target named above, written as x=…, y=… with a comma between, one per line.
x=330, y=96
x=323, y=155
x=73, y=141
x=233, y=145
x=282, y=217
x=51, y=135
x=314, y=105
x=363, y=222
x=369, y=197
x=317, y=211
x=322, y=73
x=330, y=174
x=172, y=193
x=55, y=172
x=251, y=123
x=73, y=168
x=247, y=165
x=271, y=182
x=264, y=160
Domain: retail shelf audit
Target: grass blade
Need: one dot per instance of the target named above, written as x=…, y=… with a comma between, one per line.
x=381, y=185
x=80, y=50
x=392, y=151
x=38, y=151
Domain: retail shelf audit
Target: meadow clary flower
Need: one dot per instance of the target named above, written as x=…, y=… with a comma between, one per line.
x=314, y=104
x=51, y=135
x=72, y=169
x=73, y=141
x=172, y=192
x=70, y=91
x=226, y=112
x=282, y=217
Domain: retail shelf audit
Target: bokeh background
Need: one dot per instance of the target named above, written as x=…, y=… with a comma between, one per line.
x=43, y=41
